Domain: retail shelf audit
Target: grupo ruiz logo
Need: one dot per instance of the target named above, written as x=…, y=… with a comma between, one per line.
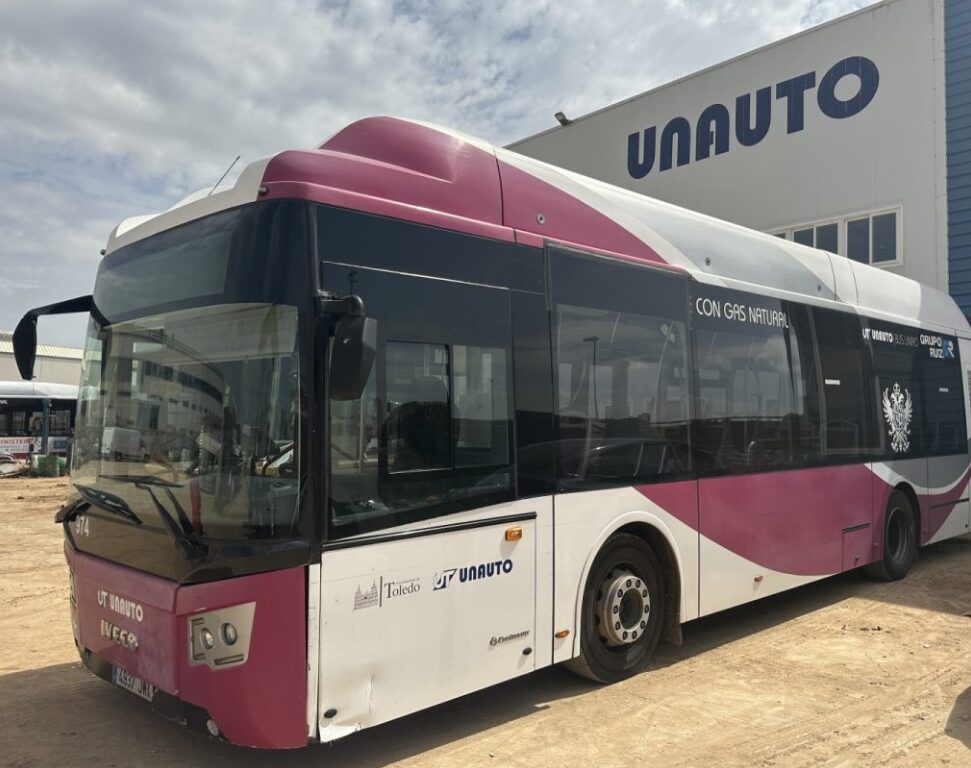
x=713, y=128
x=474, y=572
x=939, y=347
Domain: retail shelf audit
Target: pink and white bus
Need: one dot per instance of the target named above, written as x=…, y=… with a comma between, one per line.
x=416, y=415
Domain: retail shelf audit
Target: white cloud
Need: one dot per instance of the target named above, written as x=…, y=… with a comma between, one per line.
x=114, y=109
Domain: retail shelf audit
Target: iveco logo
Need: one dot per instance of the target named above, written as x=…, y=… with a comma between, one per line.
x=119, y=636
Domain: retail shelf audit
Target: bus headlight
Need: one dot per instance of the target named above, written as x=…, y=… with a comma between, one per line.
x=221, y=638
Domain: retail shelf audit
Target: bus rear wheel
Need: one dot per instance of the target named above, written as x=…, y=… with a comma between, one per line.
x=899, y=540
x=622, y=614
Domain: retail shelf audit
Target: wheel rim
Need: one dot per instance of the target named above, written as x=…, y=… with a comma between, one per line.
x=623, y=608
x=899, y=534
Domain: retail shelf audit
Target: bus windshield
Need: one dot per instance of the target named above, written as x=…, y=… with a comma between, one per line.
x=188, y=435
x=199, y=405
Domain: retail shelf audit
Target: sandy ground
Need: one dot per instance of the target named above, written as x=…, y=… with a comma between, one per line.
x=844, y=672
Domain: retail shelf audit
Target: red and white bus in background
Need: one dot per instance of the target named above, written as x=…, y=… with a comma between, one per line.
x=417, y=415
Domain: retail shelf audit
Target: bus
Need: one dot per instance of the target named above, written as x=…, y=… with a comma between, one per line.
x=410, y=415
x=35, y=417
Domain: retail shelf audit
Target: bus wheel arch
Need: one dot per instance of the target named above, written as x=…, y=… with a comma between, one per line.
x=632, y=552
x=670, y=575
x=900, y=537
x=908, y=490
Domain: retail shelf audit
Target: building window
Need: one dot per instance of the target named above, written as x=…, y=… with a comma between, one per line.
x=824, y=236
x=827, y=237
x=884, y=238
x=858, y=240
x=869, y=238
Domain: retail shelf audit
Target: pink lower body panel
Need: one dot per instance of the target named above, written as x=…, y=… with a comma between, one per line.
x=253, y=690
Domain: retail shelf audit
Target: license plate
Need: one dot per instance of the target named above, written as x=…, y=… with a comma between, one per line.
x=131, y=683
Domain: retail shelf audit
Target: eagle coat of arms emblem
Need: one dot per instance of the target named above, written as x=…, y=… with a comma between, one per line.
x=898, y=409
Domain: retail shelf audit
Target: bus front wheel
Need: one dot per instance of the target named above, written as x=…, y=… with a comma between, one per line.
x=622, y=612
x=899, y=540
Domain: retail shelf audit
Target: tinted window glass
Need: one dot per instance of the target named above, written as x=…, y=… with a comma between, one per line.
x=827, y=237
x=417, y=425
x=897, y=388
x=533, y=384
x=622, y=393
x=858, y=240
x=480, y=407
x=754, y=405
x=803, y=236
x=942, y=405
x=884, y=237
x=352, y=237
x=431, y=433
x=847, y=421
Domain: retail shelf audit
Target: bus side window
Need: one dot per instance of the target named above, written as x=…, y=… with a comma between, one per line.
x=849, y=422
x=895, y=352
x=942, y=412
x=746, y=422
x=620, y=341
x=757, y=404
x=432, y=431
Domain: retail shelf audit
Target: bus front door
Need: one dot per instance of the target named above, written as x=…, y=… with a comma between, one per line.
x=428, y=578
x=415, y=621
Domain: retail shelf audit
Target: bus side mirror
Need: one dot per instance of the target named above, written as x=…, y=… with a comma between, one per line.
x=352, y=356
x=25, y=346
x=25, y=335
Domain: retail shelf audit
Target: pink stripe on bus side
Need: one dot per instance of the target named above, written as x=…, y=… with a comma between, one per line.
x=792, y=521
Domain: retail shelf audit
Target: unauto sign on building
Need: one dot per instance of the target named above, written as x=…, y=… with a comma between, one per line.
x=713, y=127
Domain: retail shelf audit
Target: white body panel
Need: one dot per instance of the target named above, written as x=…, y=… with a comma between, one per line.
x=195, y=206
x=728, y=580
x=400, y=630
x=956, y=523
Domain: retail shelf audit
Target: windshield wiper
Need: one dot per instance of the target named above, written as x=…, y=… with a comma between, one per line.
x=182, y=531
x=141, y=480
x=108, y=502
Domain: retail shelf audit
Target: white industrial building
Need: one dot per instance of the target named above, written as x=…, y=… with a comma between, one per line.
x=853, y=136
x=56, y=365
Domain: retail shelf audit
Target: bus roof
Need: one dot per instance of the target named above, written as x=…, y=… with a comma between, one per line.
x=37, y=390
x=432, y=175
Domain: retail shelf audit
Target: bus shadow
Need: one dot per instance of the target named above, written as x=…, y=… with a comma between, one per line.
x=64, y=715
x=940, y=581
x=959, y=721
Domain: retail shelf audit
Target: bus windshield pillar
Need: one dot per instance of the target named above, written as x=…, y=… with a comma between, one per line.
x=44, y=426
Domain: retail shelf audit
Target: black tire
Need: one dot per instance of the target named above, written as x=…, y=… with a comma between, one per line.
x=601, y=658
x=899, y=540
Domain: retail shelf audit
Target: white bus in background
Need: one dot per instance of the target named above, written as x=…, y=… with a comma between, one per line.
x=36, y=417
x=424, y=415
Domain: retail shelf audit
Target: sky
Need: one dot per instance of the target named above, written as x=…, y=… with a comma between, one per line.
x=114, y=109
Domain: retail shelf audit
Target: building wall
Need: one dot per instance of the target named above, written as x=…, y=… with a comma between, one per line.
x=958, y=67
x=51, y=369
x=887, y=156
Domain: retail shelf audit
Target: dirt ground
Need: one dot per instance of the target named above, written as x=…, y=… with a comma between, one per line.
x=843, y=672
